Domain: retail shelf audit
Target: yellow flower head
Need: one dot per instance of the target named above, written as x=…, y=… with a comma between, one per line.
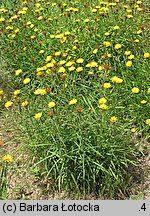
x=62, y=62
x=107, y=33
x=133, y=130
x=25, y=103
x=102, y=100
x=8, y=104
x=139, y=31
x=146, y=55
x=41, y=51
x=116, y=27
x=127, y=53
x=143, y=101
x=116, y=79
x=61, y=70
x=57, y=53
x=2, y=19
x=51, y=104
x=7, y=158
x=38, y=115
x=86, y=20
x=40, y=92
x=95, y=51
x=18, y=72
x=103, y=106
x=93, y=64
x=79, y=69
x=1, y=92
x=80, y=60
x=148, y=90
x=135, y=90
x=107, y=43
x=26, y=81
x=118, y=46
x=73, y=101
x=131, y=57
x=72, y=68
x=107, y=85
x=48, y=58
x=147, y=122
x=17, y=92
x=129, y=63
x=113, y=119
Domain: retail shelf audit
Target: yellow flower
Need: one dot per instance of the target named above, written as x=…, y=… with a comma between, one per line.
x=52, y=36
x=7, y=158
x=80, y=60
x=137, y=40
x=51, y=104
x=25, y=48
x=102, y=100
x=129, y=63
x=147, y=121
x=8, y=104
x=118, y=46
x=90, y=73
x=113, y=119
x=95, y=51
x=48, y=58
x=94, y=10
x=127, y=53
x=40, y=18
x=41, y=51
x=51, y=64
x=86, y=20
x=116, y=27
x=146, y=55
x=28, y=23
x=93, y=64
x=103, y=106
x=40, y=92
x=69, y=64
x=62, y=62
x=74, y=47
x=107, y=33
x=18, y=72
x=148, y=90
x=131, y=57
x=116, y=79
x=35, y=29
x=107, y=85
x=133, y=130
x=73, y=101
x=139, y=31
x=2, y=19
x=79, y=69
x=129, y=16
x=25, y=103
x=139, y=2
x=61, y=70
x=38, y=115
x=143, y=101
x=72, y=68
x=107, y=43
x=57, y=53
x=1, y=92
x=135, y=90
x=17, y=92
x=26, y=81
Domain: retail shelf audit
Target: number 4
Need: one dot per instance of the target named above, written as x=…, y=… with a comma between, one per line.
x=143, y=207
